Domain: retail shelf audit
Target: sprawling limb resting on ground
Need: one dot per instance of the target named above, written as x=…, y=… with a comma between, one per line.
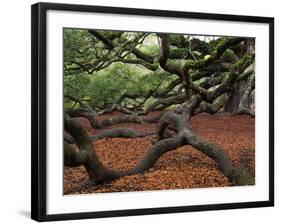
x=119, y=133
x=184, y=136
x=97, y=124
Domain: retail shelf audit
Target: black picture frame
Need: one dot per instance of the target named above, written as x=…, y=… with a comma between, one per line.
x=39, y=123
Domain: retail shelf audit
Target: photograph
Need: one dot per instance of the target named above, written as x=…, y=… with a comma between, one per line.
x=149, y=111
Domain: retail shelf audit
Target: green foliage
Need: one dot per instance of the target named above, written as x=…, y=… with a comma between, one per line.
x=107, y=86
x=150, y=49
x=229, y=56
x=217, y=42
x=77, y=46
x=106, y=67
x=243, y=63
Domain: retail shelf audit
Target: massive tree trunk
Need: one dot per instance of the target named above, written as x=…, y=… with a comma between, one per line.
x=247, y=102
x=242, y=98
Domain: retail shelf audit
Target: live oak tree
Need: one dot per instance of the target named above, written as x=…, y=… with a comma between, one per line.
x=135, y=73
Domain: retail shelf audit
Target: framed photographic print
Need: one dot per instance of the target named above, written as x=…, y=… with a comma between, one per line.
x=139, y=111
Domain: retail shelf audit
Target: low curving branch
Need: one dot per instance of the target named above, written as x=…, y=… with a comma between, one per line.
x=119, y=133
x=184, y=136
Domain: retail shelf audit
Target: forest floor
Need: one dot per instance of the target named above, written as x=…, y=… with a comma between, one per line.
x=179, y=169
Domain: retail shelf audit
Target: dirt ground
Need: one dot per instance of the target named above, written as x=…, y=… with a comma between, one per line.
x=180, y=169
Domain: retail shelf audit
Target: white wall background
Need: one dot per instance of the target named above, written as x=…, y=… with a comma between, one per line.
x=15, y=110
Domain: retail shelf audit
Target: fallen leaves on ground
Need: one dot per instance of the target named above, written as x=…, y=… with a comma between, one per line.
x=179, y=169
